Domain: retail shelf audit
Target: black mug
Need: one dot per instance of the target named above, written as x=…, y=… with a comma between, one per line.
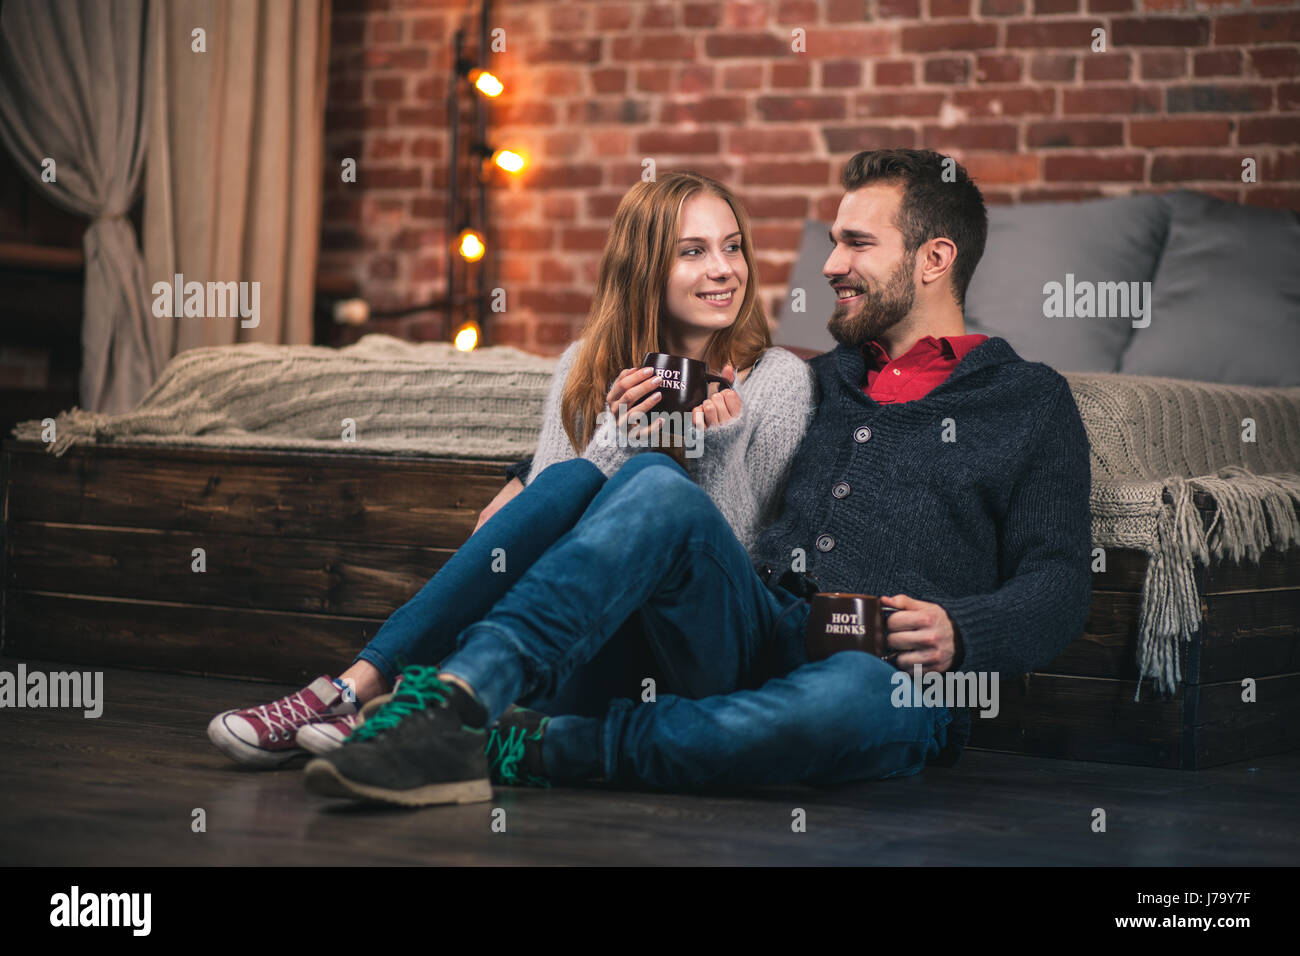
x=839, y=621
x=683, y=382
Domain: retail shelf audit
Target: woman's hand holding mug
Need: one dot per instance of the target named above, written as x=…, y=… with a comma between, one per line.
x=720, y=407
x=637, y=390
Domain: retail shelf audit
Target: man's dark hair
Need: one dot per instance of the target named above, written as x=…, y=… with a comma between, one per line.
x=933, y=206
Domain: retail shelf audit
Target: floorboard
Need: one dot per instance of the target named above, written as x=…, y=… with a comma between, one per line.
x=120, y=789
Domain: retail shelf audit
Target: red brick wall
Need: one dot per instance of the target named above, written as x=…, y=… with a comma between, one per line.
x=1185, y=91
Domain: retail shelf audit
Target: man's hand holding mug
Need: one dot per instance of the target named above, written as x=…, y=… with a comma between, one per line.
x=918, y=632
x=901, y=630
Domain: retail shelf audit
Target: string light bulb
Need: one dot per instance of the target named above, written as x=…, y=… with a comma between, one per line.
x=467, y=337
x=510, y=160
x=486, y=83
x=470, y=245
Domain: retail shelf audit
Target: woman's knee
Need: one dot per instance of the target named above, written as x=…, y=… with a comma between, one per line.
x=570, y=471
x=672, y=493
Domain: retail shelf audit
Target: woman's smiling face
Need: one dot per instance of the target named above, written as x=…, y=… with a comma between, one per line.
x=707, y=282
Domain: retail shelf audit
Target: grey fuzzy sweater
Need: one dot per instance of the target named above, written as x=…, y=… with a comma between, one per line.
x=744, y=462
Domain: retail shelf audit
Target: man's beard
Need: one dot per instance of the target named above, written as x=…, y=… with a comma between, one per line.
x=874, y=313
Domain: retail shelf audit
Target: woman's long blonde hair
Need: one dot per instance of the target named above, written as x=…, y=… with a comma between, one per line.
x=623, y=322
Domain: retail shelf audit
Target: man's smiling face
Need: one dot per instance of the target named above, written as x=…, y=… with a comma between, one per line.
x=871, y=276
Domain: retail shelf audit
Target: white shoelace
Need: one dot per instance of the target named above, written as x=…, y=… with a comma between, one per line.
x=286, y=715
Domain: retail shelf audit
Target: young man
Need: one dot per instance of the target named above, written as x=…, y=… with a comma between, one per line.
x=941, y=470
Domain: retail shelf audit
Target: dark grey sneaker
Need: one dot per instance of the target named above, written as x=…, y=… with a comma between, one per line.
x=514, y=749
x=424, y=747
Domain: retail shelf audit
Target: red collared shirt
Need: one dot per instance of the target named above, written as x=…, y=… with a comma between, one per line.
x=925, y=366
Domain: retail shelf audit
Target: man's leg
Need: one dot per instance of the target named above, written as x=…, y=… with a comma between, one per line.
x=826, y=722
x=619, y=669
x=657, y=544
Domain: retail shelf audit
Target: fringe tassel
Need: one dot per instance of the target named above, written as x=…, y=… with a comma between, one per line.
x=1253, y=513
x=74, y=427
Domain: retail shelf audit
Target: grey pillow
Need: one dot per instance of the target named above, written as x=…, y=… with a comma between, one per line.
x=1227, y=296
x=806, y=328
x=1033, y=244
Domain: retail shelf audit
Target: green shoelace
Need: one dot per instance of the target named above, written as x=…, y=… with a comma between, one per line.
x=421, y=689
x=506, y=751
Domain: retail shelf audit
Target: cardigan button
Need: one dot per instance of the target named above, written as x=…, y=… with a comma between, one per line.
x=841, y=489
x=825, y=542
x=862, y=434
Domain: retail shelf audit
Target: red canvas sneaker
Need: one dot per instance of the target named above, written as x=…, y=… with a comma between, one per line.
x=265, y=736
x=329, y=734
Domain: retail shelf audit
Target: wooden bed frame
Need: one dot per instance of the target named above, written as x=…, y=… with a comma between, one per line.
x=307, y=554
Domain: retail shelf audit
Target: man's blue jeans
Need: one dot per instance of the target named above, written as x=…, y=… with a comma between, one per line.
x=738, y=703
x=424, y=629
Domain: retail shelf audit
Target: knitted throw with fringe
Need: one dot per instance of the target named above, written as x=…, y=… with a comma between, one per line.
x=402, y=398
x=1153, y=438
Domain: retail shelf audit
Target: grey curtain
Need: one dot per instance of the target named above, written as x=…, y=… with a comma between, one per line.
x=72, y=90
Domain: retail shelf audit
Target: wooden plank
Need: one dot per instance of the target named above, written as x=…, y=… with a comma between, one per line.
x=28, y=255
x=1083, y=718
x=422, y=503
x=243, y=571
x=1108, y=645
x=206, y=454
x=1079, y=718
x=1125, y=571
x=1243, y=634
x=1275, y=569
x=181, y=638
x=1248, y=634
x=1225, y=728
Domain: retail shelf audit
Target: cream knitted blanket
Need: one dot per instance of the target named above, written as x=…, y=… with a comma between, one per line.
x=1158, y=438
x=1150, y=438
x=381, y=395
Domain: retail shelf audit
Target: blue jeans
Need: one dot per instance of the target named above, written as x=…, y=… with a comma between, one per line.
x=424, y=629
x=739, y=704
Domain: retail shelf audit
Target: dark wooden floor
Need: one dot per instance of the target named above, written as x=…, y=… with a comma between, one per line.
x=121, y=790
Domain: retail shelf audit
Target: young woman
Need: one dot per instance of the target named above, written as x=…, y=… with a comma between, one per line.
x=677, y=276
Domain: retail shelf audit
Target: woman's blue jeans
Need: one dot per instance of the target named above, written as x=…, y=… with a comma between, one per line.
x=487, y=565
